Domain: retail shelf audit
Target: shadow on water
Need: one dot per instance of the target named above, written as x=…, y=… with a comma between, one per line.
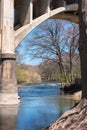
x=8, y=117
x=40, y=105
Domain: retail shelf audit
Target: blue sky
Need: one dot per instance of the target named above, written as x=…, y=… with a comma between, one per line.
x=25, y=58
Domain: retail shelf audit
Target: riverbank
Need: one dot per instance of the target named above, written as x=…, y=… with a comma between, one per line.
x=22, y=84
x=39, y=99
x=26, y=84
x=74, y=91
x=73, y=119
x=75, y=96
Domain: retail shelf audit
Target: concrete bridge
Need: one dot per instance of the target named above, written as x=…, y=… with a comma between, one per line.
x=17, y=19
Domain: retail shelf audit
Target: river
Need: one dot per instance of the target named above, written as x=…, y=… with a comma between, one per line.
x=40, y=105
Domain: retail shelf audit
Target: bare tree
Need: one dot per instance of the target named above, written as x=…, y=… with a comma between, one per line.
x=72, y=44
x=49, y=71
x=49, y=44
x=76, y=117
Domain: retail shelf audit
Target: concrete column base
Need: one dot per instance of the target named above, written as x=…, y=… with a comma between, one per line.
x=9, y=99
x=8, y=82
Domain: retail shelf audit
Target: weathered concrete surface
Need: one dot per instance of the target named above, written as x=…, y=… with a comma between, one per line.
x=8, y=73
x=24, y=11
x=7, y=22
x=9, y=98
x=8, y=82
x=21, y=33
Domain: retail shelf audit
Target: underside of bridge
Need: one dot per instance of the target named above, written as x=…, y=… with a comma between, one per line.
x=67, y=15
x=22, y=11
x=17, y=19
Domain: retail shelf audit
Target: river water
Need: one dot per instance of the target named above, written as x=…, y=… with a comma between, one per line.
x=40, y=105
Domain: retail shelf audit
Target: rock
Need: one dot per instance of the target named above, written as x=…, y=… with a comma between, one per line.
x=72, y=88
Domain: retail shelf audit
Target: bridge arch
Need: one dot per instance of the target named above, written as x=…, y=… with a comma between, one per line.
x=29, y=16
x=62, y=12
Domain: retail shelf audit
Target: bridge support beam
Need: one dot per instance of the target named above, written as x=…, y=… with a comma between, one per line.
x=40, y=8
x=43, y=7
x=58, y=3
x=24, y=10
x=8, y=85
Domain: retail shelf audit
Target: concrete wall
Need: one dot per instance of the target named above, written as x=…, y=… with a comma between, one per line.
x=23, y=11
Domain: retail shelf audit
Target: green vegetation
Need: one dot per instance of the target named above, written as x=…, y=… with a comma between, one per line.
x=27, y=74
x=50, y=71
x=68, y=77
x=21, y=76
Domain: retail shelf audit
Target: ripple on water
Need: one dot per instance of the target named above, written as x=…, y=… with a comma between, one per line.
x=40, y=105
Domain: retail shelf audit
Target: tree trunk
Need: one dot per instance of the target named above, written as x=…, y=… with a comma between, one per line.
x=83, y=44
x=76, y=118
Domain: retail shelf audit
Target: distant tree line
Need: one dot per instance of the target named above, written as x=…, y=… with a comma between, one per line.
x=27, y=74
x=56, y=44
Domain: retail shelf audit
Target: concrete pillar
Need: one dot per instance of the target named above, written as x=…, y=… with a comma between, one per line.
x=0, y=25
x=48, y=6
x=8, y=84
x=24, y=10
x=26, y=13
x=0, y=14
x=43, y=7
x=31, y=11
x=57, y=3
x=35, y=9
x=7, y=22
x=8, y=73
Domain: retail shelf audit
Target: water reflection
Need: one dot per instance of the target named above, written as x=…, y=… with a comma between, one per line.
x=40, y=105
x=8, y=116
